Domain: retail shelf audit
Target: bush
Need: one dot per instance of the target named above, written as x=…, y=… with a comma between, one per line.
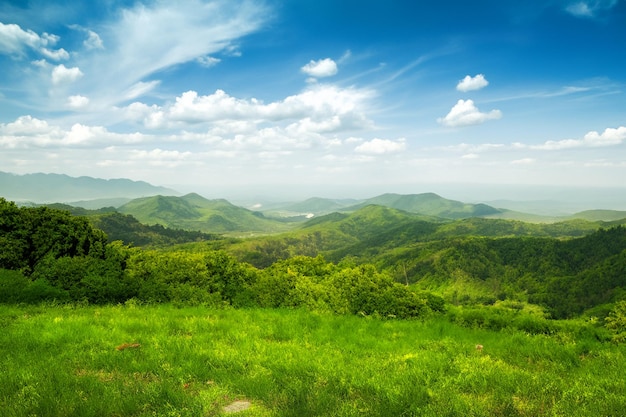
x=616, y=322
x=16, y=288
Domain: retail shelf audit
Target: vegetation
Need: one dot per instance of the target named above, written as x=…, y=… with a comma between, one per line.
x=193, y=212
x=161, y=360
x=377, y=312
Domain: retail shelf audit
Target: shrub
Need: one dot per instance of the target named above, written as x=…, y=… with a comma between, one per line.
x=616, y=322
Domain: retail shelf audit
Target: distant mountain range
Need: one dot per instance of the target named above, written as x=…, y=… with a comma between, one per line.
x=45, y=188
x=159, y=205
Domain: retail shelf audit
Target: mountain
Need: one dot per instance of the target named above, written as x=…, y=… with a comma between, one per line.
x=429, y=204
x=42, y=188
x=194, y=212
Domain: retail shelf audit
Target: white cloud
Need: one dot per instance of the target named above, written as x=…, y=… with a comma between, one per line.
x=208, y=61
x=321, y=108
x=381, y=146
x=149, y=38
x=28, y=132
x=589, y=9
x=139, y=89
x=319, y=69
x=523, y=161
x=55, y=55
x=62, y=75
x=25, y=126
x=93, y=41
x=77, y=102
x=465, y=113
x=14, y=40
x=593, y=139
x=472, y=83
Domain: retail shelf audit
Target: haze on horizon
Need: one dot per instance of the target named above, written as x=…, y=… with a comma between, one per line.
x=299, y=97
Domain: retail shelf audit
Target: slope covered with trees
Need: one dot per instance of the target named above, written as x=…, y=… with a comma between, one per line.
x=194, y=212
x=376, y=260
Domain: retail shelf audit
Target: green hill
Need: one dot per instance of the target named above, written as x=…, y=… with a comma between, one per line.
x=194, y=212
x=600, y=215
x=429, y=204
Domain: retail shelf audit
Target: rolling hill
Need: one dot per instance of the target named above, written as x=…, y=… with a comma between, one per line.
x=194, y=212
x=429, y=204
x=600, y=215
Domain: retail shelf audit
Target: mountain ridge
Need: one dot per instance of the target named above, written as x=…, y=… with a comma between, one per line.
x=44, y=188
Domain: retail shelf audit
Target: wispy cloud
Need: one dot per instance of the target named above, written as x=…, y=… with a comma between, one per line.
x=125, y=54
x=590, y=8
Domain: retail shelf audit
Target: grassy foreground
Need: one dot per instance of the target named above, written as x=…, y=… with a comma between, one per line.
x=167, y=361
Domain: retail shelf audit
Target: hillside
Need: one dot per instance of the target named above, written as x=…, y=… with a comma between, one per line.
x=428, y=204
x=565, y=269
x=194, y=212
x=600, y=215
x=370, y=232
x=43, y=188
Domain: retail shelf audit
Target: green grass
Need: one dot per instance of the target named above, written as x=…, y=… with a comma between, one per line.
x=63, y=361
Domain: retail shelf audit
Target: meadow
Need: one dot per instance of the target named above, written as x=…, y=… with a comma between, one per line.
x=165, y=360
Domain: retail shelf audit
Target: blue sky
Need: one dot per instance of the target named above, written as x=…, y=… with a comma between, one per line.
x=318, y=97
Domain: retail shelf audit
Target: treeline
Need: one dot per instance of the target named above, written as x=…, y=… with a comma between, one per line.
x=48, y=254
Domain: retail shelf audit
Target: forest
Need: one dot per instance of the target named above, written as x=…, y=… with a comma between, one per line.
x=374, y=261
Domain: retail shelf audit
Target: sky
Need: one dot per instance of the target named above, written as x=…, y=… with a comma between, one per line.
x=317, y=97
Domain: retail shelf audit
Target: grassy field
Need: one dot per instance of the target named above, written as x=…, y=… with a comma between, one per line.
x=166, y=361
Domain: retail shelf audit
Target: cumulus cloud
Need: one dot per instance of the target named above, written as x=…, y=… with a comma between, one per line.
x=77, y=102
x=29, y=132
x=318, y=109
x=55, y=55
x=472, y=83
x=589, y=9
x=25, y=126
x=319, y=69
x=465, y=113
x=593, y=139
x=63, y=75
x=381, y=146
x=14, y=40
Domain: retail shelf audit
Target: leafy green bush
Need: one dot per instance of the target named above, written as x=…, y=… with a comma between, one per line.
x=16, y=288
x=616, y=322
